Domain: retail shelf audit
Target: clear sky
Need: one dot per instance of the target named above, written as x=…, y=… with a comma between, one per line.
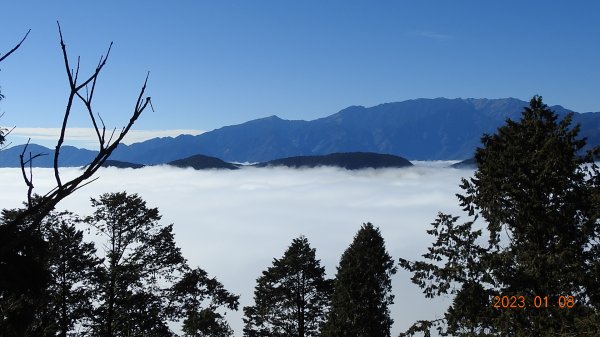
x=219, y=63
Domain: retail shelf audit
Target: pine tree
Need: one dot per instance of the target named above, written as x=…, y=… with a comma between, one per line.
x=141, y=256
x=145, y=282
x=197, y=299
x=362, y=290
x=291, y=297
x=537, y=196
x=73, y=265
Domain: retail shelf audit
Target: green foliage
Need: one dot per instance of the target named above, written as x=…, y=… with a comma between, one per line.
x=141, y=284
x=291, y=297
x=24, y=277
x=538, y=198
x=65, y=297
x=362, y=290
x=145, y=282
x=140, y=256
x=198, y=298
x=74, y=267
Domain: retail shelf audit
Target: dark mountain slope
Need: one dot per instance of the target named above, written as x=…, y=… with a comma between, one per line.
x=121, y=164
x=349, y=161
x=200, y=162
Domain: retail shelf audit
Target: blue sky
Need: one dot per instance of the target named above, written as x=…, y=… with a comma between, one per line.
x=225, y=62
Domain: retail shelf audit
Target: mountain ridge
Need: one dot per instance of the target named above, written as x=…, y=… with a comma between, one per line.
x=418, y=129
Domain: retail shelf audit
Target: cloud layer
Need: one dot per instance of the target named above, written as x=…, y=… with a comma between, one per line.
x=86, y=137
x=233, y=223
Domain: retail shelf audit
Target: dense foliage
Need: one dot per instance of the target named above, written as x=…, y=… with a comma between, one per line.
x=137, y=285
x=291, y=297
x=538, y=198
x=362, y=289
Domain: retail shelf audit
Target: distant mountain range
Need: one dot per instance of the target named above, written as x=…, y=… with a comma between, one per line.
x=421, y=129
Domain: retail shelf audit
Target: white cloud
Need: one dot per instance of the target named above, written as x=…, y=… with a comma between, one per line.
x=233, y=223
x=86, y=137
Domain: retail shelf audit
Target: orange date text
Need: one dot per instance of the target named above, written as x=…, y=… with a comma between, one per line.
x=537, y=302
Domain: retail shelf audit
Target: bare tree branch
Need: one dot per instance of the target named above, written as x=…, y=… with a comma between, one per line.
x=5, y=132
x=38, y=210
x=28, y=180
x=16, y=47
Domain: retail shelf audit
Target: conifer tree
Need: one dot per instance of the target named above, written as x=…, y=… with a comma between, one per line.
x=145, y=282
x=362, y=288
x=140, y=256
x=197, y=298
x=67, y=298
x=537, y=196
x=291, y=297
x=74, y=267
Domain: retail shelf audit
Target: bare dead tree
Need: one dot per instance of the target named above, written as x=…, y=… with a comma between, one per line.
x=82, y=90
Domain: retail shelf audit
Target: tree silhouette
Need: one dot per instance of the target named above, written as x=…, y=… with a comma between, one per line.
x=538, y=199
x=362, y=290
x=73, y=265
x=140, y=256
x=145, y=282
x=23, y=251
x=65, y=298
x=291, y=297
x=198, y=299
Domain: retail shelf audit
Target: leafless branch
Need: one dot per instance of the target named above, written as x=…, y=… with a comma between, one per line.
x=28, y=179
x=45, y=204
x=15, y=47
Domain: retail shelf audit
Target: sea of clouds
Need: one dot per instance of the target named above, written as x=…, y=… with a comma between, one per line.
x=233, y=223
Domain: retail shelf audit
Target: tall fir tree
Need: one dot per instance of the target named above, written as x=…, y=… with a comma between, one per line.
x=362, y=288
x=292, y=297
x=145, y=282
x=74, y=268
x=140, y=257
x=537, y=196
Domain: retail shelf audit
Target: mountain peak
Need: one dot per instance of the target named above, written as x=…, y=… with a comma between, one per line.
x=420, y=129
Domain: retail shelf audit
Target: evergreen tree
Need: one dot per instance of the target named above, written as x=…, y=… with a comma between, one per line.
x=538, y=197
x=66, y=299
x=362, y=291
x=141, y=256
x=24, y=278
x=145, y=282
x=73, y=265
x=291, y=297
x=197, y=299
